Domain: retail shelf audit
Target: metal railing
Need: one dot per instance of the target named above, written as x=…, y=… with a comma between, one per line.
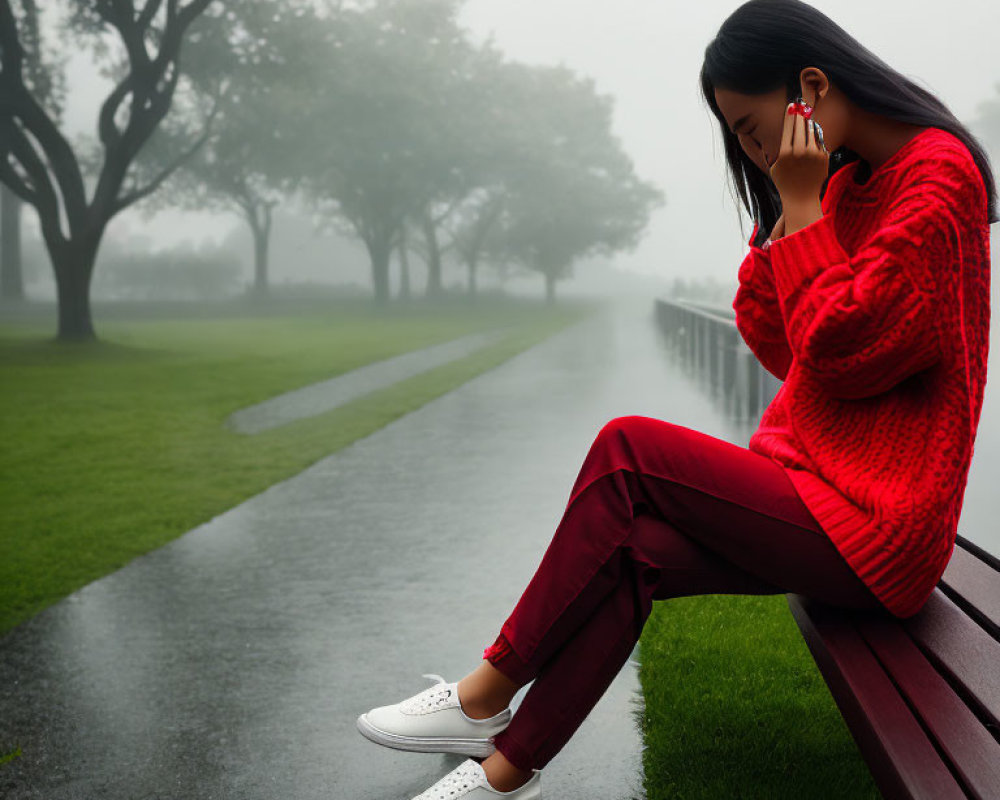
x=710, y=347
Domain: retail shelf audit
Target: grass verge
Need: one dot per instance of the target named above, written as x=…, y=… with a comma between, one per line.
x=735, y=706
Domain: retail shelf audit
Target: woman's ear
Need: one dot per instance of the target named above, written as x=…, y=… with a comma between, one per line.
x=813, y=84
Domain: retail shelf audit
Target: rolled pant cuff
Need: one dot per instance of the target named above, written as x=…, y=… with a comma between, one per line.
x=515, y=753
x=502, y=656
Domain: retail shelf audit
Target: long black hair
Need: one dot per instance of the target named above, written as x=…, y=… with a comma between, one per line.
x=765, y=44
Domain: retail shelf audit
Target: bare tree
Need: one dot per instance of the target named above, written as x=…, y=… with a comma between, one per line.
x=41, y=167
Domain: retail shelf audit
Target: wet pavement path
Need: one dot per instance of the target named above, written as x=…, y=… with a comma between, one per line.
x=232, y=662
x=329, y=394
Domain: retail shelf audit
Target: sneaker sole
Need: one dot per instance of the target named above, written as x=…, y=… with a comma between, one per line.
x=425, y=744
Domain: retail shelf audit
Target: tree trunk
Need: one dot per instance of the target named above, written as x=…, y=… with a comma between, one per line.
x=550, y=289
x=472, y=276
x=74, y=267
x=261, y=245
x=380, y=251
x=434, y=287
x=404, y=267
x=11, y=278
x=482, y=228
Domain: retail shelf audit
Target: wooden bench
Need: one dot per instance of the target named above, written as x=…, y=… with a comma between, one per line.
x=921, y=696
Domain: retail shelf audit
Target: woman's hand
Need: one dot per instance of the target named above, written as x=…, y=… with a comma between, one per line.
x=802, y=164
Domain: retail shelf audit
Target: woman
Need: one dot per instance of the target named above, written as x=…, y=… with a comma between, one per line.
x=870, y=300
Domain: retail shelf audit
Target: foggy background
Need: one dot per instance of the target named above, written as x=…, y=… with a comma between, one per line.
x=647, y=54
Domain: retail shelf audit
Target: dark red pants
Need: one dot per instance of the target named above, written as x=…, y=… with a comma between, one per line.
x=658, y=511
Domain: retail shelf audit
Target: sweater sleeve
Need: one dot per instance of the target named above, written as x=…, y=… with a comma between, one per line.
x=862, y=323
x=758, y=312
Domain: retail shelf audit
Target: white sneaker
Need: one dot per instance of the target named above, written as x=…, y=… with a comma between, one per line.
x=468, y=782
x=433, y=722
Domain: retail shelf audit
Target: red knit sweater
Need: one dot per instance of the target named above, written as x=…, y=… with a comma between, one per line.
x=876, y=317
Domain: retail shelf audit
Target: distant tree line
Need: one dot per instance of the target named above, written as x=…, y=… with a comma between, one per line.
x=383, y=116
x=705, y=289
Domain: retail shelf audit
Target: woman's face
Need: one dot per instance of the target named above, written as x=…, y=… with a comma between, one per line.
x=758, y=121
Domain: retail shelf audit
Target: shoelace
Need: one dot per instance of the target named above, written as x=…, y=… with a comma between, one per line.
x=429, y=698
x=464, y=776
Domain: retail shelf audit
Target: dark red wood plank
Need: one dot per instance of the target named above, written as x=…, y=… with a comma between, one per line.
x=975, y=585
x=971, y=750
x=963, y=652
x=901, y=757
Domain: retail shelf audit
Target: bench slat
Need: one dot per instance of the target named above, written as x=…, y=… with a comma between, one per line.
x=967, y=745
x=963, y=652
x=901, y=757
x=972, y=580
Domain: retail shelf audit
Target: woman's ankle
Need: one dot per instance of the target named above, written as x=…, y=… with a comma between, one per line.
x=477, y=705
x=485, y=691
x=498, y=681
x=502, y=775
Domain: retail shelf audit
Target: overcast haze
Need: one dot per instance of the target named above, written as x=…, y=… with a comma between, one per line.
x=647, y=54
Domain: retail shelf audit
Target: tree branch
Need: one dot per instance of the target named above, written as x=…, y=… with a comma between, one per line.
x=121, y=15
x=137, y=194
x=150, y=104
x=109, y=133
x=10, y=45
x=60, y=155
x=19, y=108
x=44, y=197
x=450, y=210
x=148, y=12
x=14, y=182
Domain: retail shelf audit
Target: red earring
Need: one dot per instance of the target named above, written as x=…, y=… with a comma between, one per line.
x=802, y=108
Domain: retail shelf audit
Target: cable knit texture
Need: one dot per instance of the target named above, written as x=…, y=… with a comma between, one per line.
x=876, y=317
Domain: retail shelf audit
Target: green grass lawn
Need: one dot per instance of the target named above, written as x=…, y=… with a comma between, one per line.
x=736, y=708
x=114, y=448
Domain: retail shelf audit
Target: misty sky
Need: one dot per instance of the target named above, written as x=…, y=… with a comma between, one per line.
x=647, y=53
